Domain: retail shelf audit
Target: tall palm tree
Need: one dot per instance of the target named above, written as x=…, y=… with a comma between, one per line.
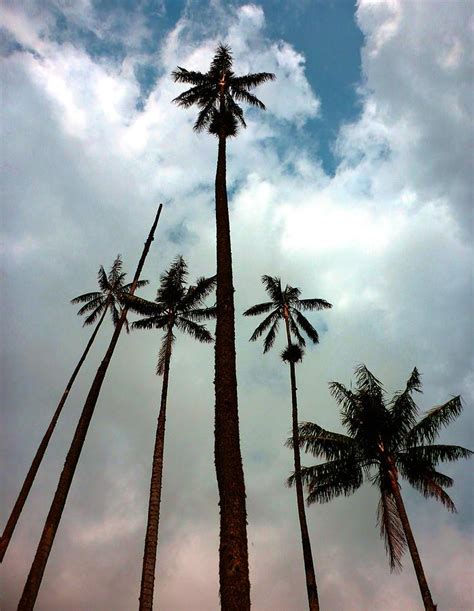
x=217, y=93
x=385, y=442
x=286, y=305
x=96, y=305
x=177, y=306
x=35, y=576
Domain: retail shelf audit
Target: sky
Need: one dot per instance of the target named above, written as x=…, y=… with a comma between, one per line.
x=355, y=186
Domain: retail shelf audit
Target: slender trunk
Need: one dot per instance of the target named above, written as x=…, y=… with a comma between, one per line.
x=311, y=587
x=30, y=477
x=30, y=591
x=233, y=552
x=415, y=556
x=151, y=538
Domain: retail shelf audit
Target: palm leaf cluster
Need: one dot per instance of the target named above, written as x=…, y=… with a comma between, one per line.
x=217, y=93
x=384, y=439
x=111, y=287
x=285, y=303
x=176, y=305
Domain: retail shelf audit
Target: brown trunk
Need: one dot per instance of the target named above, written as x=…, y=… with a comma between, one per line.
x=151, y=538
x=233, y=553
x=30, y=591
x=311, y=587
x=415, y=556
x=30, y=477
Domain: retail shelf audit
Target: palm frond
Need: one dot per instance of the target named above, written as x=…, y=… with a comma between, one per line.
x=103, y=280
x=296, y=332
x=165, y=352
x=313, y=304
x=260, y=308
x=403, y=408
x=196, y=294
x=367, y=382
x=322, y=443
x=205, y=116
x=151, y=322
x=191, y=77
x=140, y=284
x=306, y=326
x=244, y=96
x=198, y=314
x=391, y=529
x=94, y=315
x=271, y=335
x=329, y=480
x=250, y=81
x=428, y=428
x=87, y=297
x=273, y=288
x=196, y=331
x=142, y=306
x=99, y=302
x=263, y=326
x=435, y=454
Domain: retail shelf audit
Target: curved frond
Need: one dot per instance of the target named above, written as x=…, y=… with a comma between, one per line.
x=191, y=77
x=391, y=529
x=367, y=382
x=313, y=304
x=142, y=306
x=87, y=297
x=273, y=288
x=103, y=281
x=196, y=331
x=428, y=428
x=435, y=454
x=196, y=294
x=199, y=314
x=100, y=302
x=168, y=338
x=140, y=284
x=271, y=335
x=306, y=326
x=94, y=315
x=403, y=409
x=322, y=443
x=151, y=322
x=330, y=480
x=250, y=81
x=263, y=326
x=296, y=332
x=260, y=308
x=244, y=96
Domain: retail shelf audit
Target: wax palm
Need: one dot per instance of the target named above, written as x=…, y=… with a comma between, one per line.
x=35, y=576
x=216, y=93
x=177, y=306
x=97, y=304
x=286, y=306
x=385, y=441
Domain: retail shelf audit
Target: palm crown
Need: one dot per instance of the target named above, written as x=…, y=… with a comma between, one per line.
x=216, y=92
x=285, y=305
x=111, y=289
x=176, y=305
x=384, y=439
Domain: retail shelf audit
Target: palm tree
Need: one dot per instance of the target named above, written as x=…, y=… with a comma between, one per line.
x=177, y=306
x=215, y=93
x=97, y=303
x=286, y=305
x=35, y=576
x=385, y=442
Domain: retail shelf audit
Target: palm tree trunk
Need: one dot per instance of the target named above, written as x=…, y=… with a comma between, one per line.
x=311, y=587
x=233, y=551
x=415, y=556
x=151, y=538
x=30, y=591
x=30, y=477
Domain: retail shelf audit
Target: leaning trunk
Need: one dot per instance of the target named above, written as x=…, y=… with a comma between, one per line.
x=233, y=553
x=415, y=556
x=30, y=477
x=311, y=587
x=151, y=538
x=30, y=591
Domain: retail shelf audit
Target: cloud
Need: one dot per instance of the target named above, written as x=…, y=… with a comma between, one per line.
x=384, y=240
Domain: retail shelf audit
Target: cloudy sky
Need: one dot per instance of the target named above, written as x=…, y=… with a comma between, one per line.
x=355, y=185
